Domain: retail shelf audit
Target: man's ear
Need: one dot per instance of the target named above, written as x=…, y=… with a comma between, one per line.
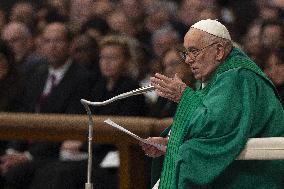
x=220, y=52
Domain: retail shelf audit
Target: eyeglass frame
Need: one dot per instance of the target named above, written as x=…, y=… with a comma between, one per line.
x=194, y=52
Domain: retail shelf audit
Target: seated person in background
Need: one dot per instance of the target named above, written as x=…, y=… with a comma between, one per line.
x=10, y=87
x=115, y=57
x=96, y=28
x=85, y=51
x=172, y=66
x=20, y=39
x=10, y=79
x=274, y=68
x=56, y=87
x=272, y=31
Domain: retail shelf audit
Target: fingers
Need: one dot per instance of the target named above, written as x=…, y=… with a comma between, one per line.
x=150, y=150
x=3, y=158
x=163, y=77
x=177, y=78
x=159, y=84
x=153, y=152
x=167, y=95
x=164, y=86
x=71, y=145
x=161, y=80
x=170, y=88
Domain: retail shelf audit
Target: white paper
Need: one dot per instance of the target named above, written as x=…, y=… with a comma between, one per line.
x=66, y=155
x=156, y=186
x=111, y=160
x=158, y=146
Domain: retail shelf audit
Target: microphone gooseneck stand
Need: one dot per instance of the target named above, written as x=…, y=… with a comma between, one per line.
x=89, y=184
x=86, y=103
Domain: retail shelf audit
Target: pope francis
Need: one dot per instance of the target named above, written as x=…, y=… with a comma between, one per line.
x=233, y=101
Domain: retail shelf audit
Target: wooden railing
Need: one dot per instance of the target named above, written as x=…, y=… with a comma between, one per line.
x=58, y=127
x=132, y=175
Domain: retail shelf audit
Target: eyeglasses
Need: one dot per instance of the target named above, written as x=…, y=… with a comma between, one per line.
x=193, y=52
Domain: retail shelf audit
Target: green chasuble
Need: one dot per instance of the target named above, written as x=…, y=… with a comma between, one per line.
x=212, y=125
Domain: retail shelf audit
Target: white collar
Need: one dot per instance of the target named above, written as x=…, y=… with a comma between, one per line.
x=203, y=85
x=60, y=71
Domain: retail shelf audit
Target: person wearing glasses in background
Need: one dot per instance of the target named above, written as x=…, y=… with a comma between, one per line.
x=234, y=102
x=165, y=108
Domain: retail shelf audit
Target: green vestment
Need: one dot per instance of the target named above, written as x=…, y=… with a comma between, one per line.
x=212, y=126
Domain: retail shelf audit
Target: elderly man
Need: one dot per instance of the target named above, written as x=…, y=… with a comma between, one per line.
x=163, y=39
x=20, y=39
x=24, y=12
x=235, y=101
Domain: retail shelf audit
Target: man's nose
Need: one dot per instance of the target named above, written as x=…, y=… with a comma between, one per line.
x=189, y=60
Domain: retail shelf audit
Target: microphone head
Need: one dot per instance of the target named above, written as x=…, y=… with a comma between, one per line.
x=86, y=102
x=83, y=101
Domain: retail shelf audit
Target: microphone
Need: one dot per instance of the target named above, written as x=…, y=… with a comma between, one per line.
x=138, y=91
x=141, y=90
x=89, y=184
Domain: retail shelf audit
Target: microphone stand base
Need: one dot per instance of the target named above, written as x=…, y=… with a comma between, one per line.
x=88, y=186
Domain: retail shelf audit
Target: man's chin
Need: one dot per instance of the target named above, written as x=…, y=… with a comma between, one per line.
x=197, y=77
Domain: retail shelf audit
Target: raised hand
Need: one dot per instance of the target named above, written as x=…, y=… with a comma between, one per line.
x=10, y=160
x=170, y=88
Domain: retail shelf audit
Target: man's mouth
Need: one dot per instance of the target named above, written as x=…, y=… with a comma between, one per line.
x=194, y=70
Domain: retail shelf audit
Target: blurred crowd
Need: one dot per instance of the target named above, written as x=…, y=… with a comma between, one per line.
x=55, y=52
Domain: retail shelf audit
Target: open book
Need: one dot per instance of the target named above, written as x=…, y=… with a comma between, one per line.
x=158, y=146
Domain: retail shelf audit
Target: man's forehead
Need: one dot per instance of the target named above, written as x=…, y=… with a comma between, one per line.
x=193, y=37
x=13, y=29
x=54, y=30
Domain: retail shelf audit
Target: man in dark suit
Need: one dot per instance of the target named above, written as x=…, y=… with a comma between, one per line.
x=55, y=87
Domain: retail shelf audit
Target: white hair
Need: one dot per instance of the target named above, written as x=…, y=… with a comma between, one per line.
x=165, y=30
x=25, y=31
